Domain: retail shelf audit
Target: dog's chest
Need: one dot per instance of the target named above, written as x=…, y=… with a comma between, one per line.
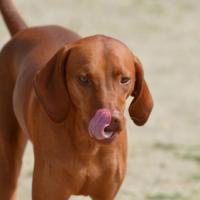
x=107, y=173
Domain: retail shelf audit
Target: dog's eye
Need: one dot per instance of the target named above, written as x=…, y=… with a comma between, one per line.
x=125, y=80
x=84, y=79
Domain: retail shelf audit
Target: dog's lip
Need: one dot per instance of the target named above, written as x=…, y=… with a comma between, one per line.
x=111, y=128
x=107, y=140
x=111, y=133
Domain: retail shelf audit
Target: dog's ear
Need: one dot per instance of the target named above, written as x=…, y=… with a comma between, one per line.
x=50, y=86
x=142, y=104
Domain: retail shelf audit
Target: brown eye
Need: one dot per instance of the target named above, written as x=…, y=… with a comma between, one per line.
x=125, y=80
x=84, y=79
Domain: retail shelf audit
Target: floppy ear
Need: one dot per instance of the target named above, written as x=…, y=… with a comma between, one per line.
x=142, y=104
x=50, y=86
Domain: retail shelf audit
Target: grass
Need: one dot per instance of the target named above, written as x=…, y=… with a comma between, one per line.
x=29, y=173
x=195, y=177
x=185, y=152
x=163, y=196
x=192, y=156
x=190, y=153
x=165, y=146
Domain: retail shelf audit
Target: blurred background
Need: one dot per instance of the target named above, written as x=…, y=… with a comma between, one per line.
x=164, y=155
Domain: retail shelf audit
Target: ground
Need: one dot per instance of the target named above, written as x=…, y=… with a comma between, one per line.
x=164, y=155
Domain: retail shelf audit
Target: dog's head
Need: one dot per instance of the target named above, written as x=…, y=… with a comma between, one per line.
x=94, y=76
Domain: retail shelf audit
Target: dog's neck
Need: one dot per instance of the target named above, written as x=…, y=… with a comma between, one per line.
x=82, y=143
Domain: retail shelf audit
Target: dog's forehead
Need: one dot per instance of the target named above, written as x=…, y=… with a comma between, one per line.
x=103, y=43
x=100, y=48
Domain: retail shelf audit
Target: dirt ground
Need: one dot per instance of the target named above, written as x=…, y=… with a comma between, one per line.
x=164, y=155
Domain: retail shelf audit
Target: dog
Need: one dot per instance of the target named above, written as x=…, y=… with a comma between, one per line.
x=66, y=94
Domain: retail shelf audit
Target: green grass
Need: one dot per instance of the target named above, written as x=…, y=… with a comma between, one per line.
x=191, y=156
x=190, y=153
x=195, y=177
x=165, y=146
x=184, y=152
x=163, y=196
x=29, y=173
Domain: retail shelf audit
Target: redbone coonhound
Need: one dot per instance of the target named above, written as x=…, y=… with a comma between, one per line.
x=67, y=95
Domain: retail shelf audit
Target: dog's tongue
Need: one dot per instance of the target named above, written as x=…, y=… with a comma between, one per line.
x=98, y=123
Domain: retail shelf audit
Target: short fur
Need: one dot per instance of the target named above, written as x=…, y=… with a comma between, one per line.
x=42, y=99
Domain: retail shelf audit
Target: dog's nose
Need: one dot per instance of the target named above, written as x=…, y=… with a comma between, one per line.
x=116, y=122
x=116, y=116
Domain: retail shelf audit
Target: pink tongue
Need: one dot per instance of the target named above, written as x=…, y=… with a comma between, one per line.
x=98, y=123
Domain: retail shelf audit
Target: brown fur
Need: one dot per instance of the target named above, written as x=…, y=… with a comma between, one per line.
x=41, y=99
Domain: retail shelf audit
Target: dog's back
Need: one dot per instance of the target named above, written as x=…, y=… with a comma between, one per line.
x=28, y=50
